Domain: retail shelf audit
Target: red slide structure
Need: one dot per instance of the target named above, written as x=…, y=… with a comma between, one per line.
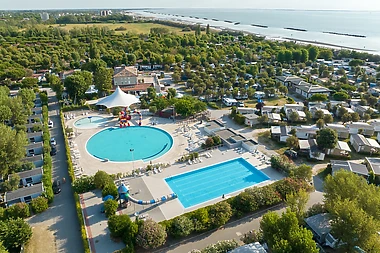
x=124, y=118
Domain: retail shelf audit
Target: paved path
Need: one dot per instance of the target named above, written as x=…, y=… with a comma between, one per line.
x=61, y=217
x=234, y=230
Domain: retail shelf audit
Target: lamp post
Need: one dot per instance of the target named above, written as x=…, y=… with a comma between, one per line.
x=133, y=159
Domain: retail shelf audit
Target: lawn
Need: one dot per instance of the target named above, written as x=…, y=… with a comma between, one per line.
x=137, y=28
x=278, y=101
x=265, y=139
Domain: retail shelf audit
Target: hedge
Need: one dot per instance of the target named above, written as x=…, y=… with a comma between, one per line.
x=47, y=167
x=247, y=202
x=76, y=196
x=75, y=107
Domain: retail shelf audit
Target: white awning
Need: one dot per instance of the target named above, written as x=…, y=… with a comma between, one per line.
x=118, y=99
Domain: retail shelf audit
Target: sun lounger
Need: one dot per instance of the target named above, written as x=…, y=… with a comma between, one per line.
x=159, y=169
x=155, y=171
x=190, y=163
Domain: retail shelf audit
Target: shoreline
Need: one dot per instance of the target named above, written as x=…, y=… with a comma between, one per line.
x=267, y=37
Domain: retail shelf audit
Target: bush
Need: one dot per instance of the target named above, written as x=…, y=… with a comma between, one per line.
x=239, y=119
x=14, y=233
x=39, y=204
x=213, y=105
x=84, y=184
x=75, y=107
x=221, y=247
x=316, y=209
x=219, y=214
x=200, y=219
x=151, y=235
x=110, y=207
x=110, y=189
x=217, y=140
x=282, y=163
x=101, y=179
x=44, y=98
x=290, y=185
x=122, y=227
x=209, y=142
x=244, y=202
x=19, y=210
x=181, y=227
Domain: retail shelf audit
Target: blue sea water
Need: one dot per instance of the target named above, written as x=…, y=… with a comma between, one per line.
x=130, y=144
x=362, y=23
x=198, y=186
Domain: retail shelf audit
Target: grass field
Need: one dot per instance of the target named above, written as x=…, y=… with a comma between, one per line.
x=137, y=28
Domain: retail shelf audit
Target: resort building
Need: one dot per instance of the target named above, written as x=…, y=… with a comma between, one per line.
x=306, y=132
x=342, y=131
x=357, y=168
x=230, y=138
x=341, y=149
x=361, y=128
x=33, y=176
x=251, y=119
x=310, y=148
x=307, y=90
x=280, y=133
x=320, y=226
x=37, y=160
x=364, y=145
x=34, y=149
x=34, y=137
x=213, y=126
x=373, y=165
x=25, y=194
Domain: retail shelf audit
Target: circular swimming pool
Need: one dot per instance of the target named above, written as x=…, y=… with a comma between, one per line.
x=90, y=122
x=130, y=144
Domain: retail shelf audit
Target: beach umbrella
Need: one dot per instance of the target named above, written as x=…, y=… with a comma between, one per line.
x=108, y=197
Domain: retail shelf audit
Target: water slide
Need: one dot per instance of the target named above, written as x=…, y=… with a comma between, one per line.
x=153, y=201
x=124, y=117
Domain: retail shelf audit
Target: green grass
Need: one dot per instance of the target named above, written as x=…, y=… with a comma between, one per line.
x=264, y=138
x=137, y=28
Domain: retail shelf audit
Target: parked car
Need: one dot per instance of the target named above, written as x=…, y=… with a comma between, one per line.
x=50, y=124
x=53, y=142
x=53, y=151
x=56, y=186
x=291, y=153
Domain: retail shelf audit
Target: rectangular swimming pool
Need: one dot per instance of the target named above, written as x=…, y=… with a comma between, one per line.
x=201, y=185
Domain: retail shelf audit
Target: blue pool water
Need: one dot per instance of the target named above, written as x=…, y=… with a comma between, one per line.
x=198, y=186
x=86, y=123
x=115, y=144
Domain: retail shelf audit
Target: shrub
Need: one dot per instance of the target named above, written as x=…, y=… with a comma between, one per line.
x=101, y=179
x=252, y=237
x=221, y=246
x=151, y=235
x=316, y=209
x=217, y=140
x=244, y=202
x=181, y=227
x=44, y=98
x=110, y=207
x=213, y=105
x=122, y=227
x=289, y=185
x=219, y=214
x=209, y=142
x=39, y=204
x=19, y=210
x=239, y=119
x=110, y=189
x=282, y=163
x=84, y=184
x=200, y=219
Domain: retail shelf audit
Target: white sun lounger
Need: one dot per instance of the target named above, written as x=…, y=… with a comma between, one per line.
x=190, y=163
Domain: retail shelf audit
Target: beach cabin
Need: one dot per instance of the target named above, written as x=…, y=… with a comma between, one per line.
x=357, y=168
x=34, y=149
x=364, y=145
x=342, y=131
x=306, y=132
x=229, y=101
x=33, y=176
x=25, y=194
x=250, y=145
x=230, y=138
x=37, y=111
x=246, y=110
x=34, y=137
x=37, y=160
x=341, y=149
x=362, y=128
x=280, y=133
x=251, y=119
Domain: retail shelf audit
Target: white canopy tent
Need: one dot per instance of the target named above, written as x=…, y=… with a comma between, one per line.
x=118, y=99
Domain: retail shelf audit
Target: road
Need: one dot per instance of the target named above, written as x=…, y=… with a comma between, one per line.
x=61, y=217
x=234, y=230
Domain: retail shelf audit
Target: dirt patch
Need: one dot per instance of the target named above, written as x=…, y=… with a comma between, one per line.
x=43, y=240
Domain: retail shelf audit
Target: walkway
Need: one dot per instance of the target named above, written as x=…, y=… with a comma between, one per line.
x=234, y=230
x=61, y=217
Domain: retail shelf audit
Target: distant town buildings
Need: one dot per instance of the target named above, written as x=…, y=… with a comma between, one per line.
x=44, y=16
x=105, y=12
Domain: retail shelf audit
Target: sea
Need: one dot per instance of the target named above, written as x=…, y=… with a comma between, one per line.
x=359, y=30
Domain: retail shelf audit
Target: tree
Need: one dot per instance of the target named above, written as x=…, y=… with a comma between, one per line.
x=153, y=109
x=94, y=51
x=27, y=96
x=263, y=119
x=208, y=29
x=76, y=86
x=283, y=89
x=328, y=118
x=29, y=82
x=219, y=214
x=56, y=85
x=110, y=207
x=39, y=204
x=293, y=116
x=181, y=227
x=319, y=114
x=296, y=201
x=200, y=219
x=313, y=53
x=327, y=138
x=151, y=235
x=14, y=233
x=103, y=80
x=366, y=117
x=110, y=189
x=12, y=148
x=101, y=179
x=292, y=142
x=2, y=248
x=122, y=227
x=12, y=184
x=304, y=55
x=187, y=106
x=341, y=96
x=320, y=123
x=318, y=97
x=5, y=113
x=326, y=54
x=355, y=117
x=283, y=234
x=303, y=172
x=346, y=117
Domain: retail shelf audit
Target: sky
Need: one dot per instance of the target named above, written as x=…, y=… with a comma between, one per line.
x=373, y=5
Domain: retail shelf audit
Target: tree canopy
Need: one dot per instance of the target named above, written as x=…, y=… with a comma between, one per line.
x=327, y=138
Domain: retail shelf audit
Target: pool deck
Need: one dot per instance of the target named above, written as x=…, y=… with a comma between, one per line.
x=91, y=165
